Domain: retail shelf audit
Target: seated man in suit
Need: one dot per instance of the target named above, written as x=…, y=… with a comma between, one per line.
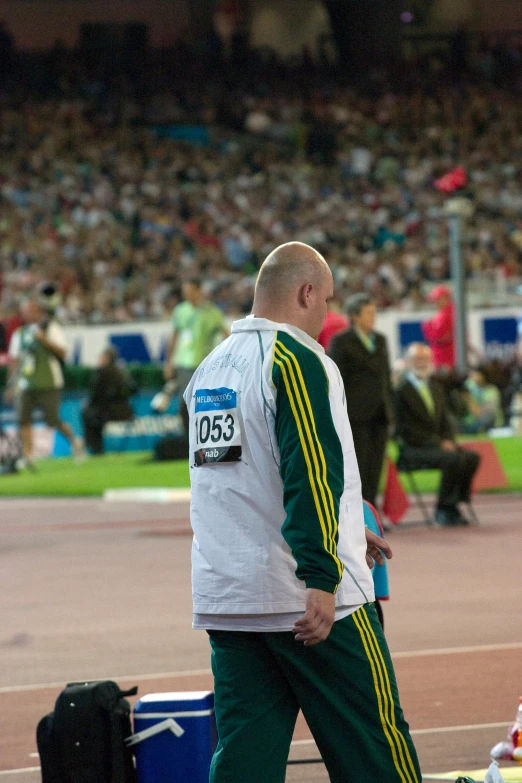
x=426, y=435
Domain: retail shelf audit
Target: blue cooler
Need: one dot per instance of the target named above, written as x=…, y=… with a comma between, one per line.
x=175, y=737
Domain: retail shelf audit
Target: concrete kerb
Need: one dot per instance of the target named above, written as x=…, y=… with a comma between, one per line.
x=147, y=495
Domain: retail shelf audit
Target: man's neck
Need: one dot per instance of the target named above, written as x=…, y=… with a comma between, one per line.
x=279, y=317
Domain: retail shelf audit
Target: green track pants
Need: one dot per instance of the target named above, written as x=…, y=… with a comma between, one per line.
x=345, y=687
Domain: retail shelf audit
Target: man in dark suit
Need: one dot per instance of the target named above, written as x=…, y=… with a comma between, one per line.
x=110, y=391
x=362, y=357
x=426, y=435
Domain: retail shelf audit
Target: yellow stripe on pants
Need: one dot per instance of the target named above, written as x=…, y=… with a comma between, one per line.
x=379, y=657
x=382, y=701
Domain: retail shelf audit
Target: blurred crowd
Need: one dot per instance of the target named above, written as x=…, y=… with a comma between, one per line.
x=102, y=193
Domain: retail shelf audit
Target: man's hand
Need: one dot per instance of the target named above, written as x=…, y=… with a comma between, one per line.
x=377, y=549
x=316, y=623
x=448, y=445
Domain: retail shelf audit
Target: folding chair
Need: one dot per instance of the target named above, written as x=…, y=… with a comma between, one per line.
x=427, y=517
x=403, y=467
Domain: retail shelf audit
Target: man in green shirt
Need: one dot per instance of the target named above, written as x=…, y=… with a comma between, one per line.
x=37, y=351
x=197, y=327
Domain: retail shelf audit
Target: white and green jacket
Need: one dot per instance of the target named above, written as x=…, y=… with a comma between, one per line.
x=276, y=496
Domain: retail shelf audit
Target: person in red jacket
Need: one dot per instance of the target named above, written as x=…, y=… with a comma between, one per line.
x=333, y=323
x=439, y=330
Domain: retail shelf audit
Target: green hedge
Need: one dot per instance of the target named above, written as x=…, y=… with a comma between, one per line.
x=77, y=377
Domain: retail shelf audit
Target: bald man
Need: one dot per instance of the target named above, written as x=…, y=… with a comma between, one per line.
x=427, y=436
x=280, y=558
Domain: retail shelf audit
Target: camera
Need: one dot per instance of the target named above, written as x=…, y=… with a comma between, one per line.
x=49, y=298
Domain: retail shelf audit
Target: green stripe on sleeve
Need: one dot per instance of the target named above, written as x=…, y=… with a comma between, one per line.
x=311, y=462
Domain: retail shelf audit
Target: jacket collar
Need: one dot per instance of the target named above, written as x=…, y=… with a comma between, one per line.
x=253, y=324
x=417, y=382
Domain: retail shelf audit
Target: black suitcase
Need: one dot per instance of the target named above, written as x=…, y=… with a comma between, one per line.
x=83, y=740
x=171, y=447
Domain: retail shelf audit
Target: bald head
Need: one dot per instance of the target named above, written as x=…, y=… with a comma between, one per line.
x=419, y=360
x=293, y=286
x=287, y=268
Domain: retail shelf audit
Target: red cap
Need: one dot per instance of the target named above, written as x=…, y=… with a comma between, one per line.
x=452, y=181
x=437, y=292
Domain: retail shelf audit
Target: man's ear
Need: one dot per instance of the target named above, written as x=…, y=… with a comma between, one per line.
x=304, y=295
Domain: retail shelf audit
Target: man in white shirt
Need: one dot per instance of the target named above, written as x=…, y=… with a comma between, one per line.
x=280, y=554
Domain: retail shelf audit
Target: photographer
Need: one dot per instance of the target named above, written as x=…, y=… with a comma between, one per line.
x=37, y=351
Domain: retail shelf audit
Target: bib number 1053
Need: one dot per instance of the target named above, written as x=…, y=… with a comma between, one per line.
x=214, y=428
x=216, y=425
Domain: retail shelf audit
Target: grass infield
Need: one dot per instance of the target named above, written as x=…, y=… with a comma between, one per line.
x=62, y=477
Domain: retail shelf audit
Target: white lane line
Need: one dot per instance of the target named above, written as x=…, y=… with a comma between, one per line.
x=19, y=771
x=121, y=677
x=199, y=672
x=459, y=650
x=298, y=743
x=438, y=730
x=468, y=727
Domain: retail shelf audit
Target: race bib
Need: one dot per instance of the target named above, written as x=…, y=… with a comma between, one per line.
x=217, y=429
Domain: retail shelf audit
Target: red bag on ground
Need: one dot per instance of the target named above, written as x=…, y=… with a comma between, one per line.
x=395, y=502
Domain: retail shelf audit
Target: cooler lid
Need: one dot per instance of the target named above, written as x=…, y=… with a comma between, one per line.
x=182, y=701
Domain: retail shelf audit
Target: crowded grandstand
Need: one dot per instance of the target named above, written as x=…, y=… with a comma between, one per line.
x=117, y=192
